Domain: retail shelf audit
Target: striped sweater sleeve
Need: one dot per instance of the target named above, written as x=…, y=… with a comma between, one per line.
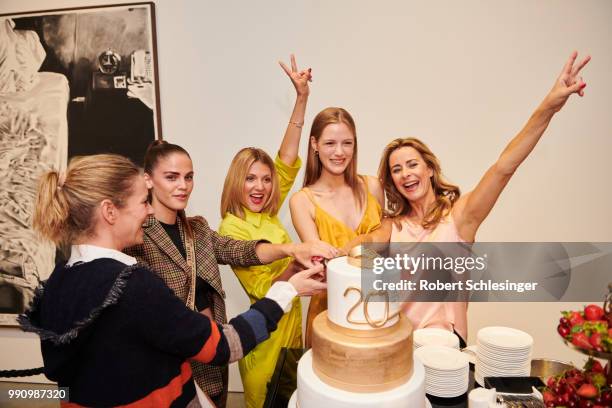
x=166, y=323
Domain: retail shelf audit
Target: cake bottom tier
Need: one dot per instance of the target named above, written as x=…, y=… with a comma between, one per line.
x=314, y=393
x=345, y=359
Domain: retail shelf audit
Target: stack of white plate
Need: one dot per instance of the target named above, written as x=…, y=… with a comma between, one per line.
x=447, y=370
x=435, y=337
x=502, y=352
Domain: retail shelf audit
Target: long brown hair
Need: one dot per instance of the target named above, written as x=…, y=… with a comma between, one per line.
x=159, y=149
x=231, y=199
x=314, y=167
x=446, y=194
x=65, y=205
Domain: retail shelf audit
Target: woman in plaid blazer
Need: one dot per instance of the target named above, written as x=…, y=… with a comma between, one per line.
x=185, y=252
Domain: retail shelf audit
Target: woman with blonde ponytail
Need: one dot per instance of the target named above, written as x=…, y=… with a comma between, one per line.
x=111, y=331
x=423, y=207
x=66, y=202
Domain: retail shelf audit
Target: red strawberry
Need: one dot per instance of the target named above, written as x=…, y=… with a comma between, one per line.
x=595, y=340
x=587, y=391
x=596, y=366
x=581, y=340
x=576, y=318
x=593, y=312
x=548, y=397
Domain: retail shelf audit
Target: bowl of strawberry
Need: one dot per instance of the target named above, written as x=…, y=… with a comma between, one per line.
x=585, y=388
x=588, y=330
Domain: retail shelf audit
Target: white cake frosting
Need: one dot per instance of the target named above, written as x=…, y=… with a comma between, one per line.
x=314, y=393
x=342, y=275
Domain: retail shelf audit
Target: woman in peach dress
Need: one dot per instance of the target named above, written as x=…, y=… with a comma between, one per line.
x=423, y=207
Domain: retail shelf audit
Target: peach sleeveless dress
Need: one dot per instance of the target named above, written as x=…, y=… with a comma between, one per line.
x=451, y=316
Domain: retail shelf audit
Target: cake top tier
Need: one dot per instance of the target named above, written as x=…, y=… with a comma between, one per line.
x=353, y=307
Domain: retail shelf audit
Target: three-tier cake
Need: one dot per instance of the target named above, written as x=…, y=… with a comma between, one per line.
x=362, y=353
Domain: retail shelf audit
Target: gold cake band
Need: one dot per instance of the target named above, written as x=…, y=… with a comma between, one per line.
x=383, y=331
x=362, y=364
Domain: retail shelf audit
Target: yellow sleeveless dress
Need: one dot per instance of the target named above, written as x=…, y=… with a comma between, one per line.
x=338, y=234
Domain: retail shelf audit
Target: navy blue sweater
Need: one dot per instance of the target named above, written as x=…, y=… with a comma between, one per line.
x=118, y=335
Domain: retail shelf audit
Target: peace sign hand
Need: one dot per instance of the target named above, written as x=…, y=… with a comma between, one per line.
x=299, y=79
x=568, y=83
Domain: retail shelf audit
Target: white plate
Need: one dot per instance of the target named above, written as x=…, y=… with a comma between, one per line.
x=495, y=362
x=431, y=336
x=503, y=354
x=447, y=393
x=442, y=358
x=504, y=337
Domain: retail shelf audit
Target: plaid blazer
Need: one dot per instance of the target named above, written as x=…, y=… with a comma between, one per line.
x=161, y=255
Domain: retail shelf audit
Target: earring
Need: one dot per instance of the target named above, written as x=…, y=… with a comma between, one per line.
x=316, y=152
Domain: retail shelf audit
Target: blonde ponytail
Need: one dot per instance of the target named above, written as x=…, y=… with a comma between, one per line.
x=65, y=209
x=51, y=211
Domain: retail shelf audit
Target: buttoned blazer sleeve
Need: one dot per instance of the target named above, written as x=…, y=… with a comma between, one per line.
x=227, y=251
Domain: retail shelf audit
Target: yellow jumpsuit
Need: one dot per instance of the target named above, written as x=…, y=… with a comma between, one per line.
x=257, y=367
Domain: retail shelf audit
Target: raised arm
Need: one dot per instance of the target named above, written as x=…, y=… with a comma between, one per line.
x=472, y=209
x=288, y=151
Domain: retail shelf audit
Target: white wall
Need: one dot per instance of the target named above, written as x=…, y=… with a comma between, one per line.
x=463, y=76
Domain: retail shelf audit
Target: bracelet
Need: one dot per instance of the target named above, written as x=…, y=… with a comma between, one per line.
x=297, y=124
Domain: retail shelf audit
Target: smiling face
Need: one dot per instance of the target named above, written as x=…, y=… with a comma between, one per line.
x=171, y=181
x=130, y=217
x=257, y=187
x=335, y=147
x=410, y=173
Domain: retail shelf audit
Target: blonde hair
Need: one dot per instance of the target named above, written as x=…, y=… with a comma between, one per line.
x=446, y=194
x=314, y=167
x=65, y=208
x=232, y=197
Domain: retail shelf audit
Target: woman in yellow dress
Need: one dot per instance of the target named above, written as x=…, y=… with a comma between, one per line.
x=254, y=190
x=336, y=204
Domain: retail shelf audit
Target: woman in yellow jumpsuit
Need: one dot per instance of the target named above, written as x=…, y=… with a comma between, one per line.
x=254, y=190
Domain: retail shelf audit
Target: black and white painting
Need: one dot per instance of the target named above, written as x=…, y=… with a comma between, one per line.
x=72, y=82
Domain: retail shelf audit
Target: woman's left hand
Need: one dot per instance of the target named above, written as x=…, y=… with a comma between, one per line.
x=299, y=79
x=567, y=83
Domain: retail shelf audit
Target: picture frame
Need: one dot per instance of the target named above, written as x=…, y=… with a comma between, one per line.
x=73, y=81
